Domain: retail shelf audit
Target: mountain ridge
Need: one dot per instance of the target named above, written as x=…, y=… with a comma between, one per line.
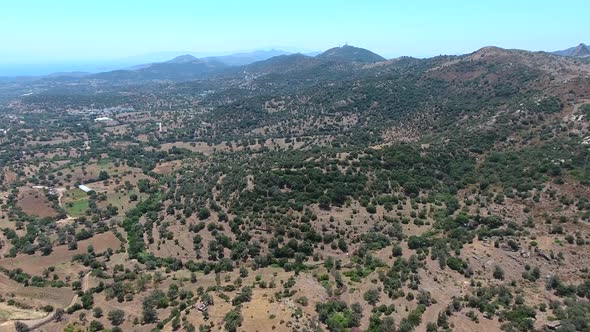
x=188, y=67
x=580, y=51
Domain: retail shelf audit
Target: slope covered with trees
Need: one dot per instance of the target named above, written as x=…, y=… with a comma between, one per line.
x=303, y=193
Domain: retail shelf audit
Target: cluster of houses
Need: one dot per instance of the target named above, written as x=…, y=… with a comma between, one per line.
x=50, y=190
x=101, y=111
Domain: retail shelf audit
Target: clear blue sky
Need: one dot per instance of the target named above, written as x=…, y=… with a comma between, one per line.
x=85, y=30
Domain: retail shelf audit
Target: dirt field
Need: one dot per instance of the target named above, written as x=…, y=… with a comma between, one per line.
x=74, y=173
x=34, y=297
x=264, y=312
x=10, y=312
x=9, y=176
x=462, y=323
x=121, y=200
x=206, y=149
x=61, y=257
x=34, y=202
x=168, y=167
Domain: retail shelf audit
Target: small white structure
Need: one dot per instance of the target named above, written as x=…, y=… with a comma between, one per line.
x=102, y=119
x=85, y=188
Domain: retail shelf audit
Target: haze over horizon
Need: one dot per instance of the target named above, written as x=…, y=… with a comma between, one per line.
x=74, y=36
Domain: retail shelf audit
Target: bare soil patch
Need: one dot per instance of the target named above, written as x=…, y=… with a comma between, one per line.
x=34, y=202
x=61, y=257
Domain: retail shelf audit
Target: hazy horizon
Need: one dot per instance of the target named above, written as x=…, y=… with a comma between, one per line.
x=75, y=36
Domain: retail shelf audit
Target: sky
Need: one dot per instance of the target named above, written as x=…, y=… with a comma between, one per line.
x=74, y=32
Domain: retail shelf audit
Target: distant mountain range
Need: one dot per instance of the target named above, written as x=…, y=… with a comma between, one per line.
x=188, y=67
x=177, y=69
x=237, y=59
x=580, y=51
x=240, y=59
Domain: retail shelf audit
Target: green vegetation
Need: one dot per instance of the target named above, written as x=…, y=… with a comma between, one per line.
x=338, y=316
x=76, y=202
x=314, y=178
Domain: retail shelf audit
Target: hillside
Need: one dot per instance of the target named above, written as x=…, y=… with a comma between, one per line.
x=580, y=51
x=178, y=69
x=339, y=192
x=187, y=67
x=246, y=58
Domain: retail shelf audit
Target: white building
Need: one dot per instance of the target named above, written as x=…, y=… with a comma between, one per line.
x=85, y=188
x=103, y=118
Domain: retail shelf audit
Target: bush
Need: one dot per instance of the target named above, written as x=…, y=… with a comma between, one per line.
x=204, y=213
x=338, y=316
x=498, y=273
x=95, y=326
x=116, y=317
x=233, y=319
x=456, y=264
x=372, y=296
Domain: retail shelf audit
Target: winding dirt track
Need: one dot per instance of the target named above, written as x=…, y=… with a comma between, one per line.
x=33, y=324
x=68, y=219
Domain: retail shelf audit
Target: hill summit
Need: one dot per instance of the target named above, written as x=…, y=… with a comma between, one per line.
x=351, y=54
x=183, y=59
x=580, y=51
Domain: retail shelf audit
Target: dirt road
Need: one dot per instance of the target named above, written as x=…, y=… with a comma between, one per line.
x=33, y=324
x=68, y=219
